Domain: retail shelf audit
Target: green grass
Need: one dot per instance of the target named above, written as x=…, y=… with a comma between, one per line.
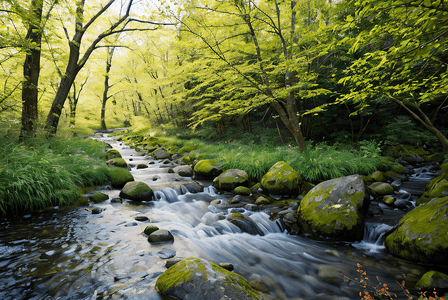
x=43, y=174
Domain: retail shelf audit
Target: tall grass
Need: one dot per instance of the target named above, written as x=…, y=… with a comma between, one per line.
x=317, y=163
x=42, y=174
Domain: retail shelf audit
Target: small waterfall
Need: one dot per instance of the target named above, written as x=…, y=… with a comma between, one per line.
x=373, y=237
x=167, y=194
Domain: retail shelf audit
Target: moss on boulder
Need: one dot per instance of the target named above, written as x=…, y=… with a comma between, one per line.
x=433, y=280
x=335, y=209
x=281, y=179
x=98, y=197
x=137, y=191
x=119, y=177
x=110, y=154
x=187, y=148
x=436, y=188
x=242, y=190
x=117, y=162
x=207, y=168
x=379, y=189
x=230, y=179
x=378, y=176
x=197, y=279
x=421, y=234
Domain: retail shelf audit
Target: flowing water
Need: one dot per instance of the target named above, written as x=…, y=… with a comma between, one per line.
x=79, y=255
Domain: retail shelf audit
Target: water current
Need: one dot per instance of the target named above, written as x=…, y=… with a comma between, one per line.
x=74, y=254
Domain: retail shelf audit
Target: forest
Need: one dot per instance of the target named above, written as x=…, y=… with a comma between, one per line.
x=341, y=71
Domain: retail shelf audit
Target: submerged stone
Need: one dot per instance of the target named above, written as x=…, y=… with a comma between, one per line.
x=160, y=236
x=197, y=279
x=166, y=253
x=98, y=197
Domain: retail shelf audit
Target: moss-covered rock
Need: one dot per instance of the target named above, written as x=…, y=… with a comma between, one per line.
x=119, y=177
x=137, y=191
x=230, y=179
x=82, y=201
x=435, y=188
x=281, y=179
x=262, y=200
x=98, y=197
x=117, y=162
x=197, y=279
x=433, y=280
x=206, y=168
x=380, y=189
x=378, y=176
x=421, y=235
x=242, y=190
x=438, y=157
x=335, y=209
x=150, y=229
x=161, y=153
x=389, y=200
x=110, y=154
x=306, y=187
x=187, y=148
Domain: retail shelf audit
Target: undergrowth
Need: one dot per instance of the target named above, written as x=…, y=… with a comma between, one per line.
x=40, y=174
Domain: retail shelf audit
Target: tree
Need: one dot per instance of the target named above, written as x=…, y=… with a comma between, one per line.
x=403, y=57
x=107, y=86
x=260, y=56
x=76, y=62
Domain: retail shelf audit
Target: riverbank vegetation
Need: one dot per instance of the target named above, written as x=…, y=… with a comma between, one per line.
x=40, y=173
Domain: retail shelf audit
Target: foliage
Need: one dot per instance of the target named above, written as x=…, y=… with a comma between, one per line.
x=39, y=175
x=404, y=130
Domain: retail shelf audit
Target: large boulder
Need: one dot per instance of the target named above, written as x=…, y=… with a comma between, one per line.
x=421, y=234
x=119, y=177
x=110, y=154
x=230, y=179
x=335, y=209
x=436, y=188
x=137, y=191
x=206, y=168
x=197, y=279
x=281, y=179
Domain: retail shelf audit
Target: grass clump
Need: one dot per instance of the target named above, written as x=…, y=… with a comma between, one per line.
x=37, y=175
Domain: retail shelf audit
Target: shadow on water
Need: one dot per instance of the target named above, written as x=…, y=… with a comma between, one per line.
x=78, y=255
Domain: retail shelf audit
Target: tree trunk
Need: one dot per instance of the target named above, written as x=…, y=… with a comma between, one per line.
x=31, y=70
x=110, y=54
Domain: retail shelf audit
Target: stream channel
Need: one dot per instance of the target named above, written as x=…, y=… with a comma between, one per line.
x=74, y=254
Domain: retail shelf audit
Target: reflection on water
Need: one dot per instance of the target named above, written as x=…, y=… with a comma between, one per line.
x=78, y=255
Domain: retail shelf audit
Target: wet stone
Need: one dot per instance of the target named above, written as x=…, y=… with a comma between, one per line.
x=160, y=236
x=97, y=210
x=116, y=200
x=227, y=266
x=166, y=253
x=171, y=262
x=131, y=224
x=141, y=218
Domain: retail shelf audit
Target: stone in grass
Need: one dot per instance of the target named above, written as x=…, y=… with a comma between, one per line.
x=160, y=236
x=98, y=197
x=137, y=191
x=150, y=229
x=197, y=279
x=281, y=179
x=110, y=154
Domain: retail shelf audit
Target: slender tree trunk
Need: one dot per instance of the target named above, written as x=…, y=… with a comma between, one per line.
x=31, y=70
x=110, y=54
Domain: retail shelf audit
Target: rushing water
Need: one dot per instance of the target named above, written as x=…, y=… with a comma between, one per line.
x=79, y=255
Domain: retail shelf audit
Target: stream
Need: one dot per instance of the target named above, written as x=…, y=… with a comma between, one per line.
x=74, y=254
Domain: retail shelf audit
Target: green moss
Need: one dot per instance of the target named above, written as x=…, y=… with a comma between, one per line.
x=281, y=179
x=119, y=177
x=110, y=154
x=439, y=157
x=186, y=160
x=187, y=148
x=237, y=216
x=117, y=162
x=436, y=188
x=150, y=229
x=242, y=190
x=378, y=176
x=82, y=201
x=98, y=197
x=432, y=280
x=421, y=234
